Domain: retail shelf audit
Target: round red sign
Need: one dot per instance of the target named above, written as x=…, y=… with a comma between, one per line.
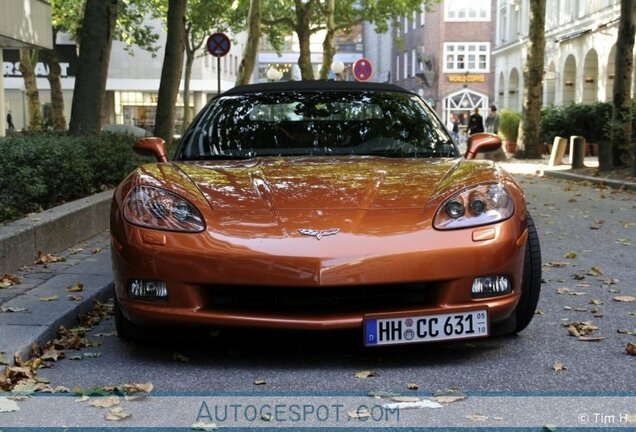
x=362, y=69
x=218, y=44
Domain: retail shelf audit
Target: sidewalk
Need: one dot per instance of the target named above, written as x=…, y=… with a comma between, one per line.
x=32, y=310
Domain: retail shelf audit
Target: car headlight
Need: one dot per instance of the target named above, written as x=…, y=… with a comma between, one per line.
x=157, y=208
x=479, y=205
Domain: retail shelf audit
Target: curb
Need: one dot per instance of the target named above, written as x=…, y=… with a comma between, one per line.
x=18, y=339
x=53, y=230
x=615, y=184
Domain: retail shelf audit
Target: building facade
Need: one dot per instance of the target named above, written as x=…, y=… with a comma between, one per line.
x=23, y=24
x=580, y=51
x=349, y=48
x=133, y=81
x=444, y=55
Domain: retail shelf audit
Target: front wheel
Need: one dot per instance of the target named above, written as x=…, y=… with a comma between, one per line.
x=531, y=285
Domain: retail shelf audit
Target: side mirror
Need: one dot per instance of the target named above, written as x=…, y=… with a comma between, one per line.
x=481, y=143
x=152, y=146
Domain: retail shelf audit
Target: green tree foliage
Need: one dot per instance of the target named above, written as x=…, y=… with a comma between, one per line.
x=304, y=18
x=130, y=27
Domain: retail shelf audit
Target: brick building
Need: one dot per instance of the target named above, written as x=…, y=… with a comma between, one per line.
x=445, y=55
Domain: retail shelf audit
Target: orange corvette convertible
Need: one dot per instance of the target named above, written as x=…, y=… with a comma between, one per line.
x=324, y=205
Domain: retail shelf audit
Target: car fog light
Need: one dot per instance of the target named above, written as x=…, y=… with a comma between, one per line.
x=147, y=289
x=491, y=286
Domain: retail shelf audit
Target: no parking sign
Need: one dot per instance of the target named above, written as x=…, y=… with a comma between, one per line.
x=362, y=69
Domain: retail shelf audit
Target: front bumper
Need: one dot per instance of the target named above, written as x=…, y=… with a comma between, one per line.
x=197, y=267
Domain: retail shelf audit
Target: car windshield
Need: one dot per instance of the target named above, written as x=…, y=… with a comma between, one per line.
x=365, y=123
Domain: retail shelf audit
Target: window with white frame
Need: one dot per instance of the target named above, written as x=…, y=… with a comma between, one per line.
x=406, y=62
x=467, y=10
x=466, y=56
x=422, y=19
x=397, y=69
x=413, y=63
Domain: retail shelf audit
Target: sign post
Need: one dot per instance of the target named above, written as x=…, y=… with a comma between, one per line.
x=218, y=45
x=362, y=69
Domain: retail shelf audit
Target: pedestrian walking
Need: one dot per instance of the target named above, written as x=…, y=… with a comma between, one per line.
x=10, y=125
x=475, y=122
x=492, y=120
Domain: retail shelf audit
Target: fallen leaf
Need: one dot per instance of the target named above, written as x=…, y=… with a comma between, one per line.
x=8, y=280
x=578, y=276
x=106, y=402
x=365, y=374
x=631, y=348
x=626, y=331
x=137, y=388
x=360, y=413
x=382, y=394
x=74, y=251
x=12, y=309
x=412, y=386
x=557, y=264
x=260, y=382
x=595, y=271
x=624, y=242
x=449, y=399
x=77, y=287
x=539, y=312
x=8, y=405
x=591, y=338
x=405, y=399
x=596, y=302
x=25, y=387
x=91, y=355
x=550, y=428
x=84, y=398
x=266, y=416
x=44, y=258
x=76, y=357
x=624, y=299
x=49, y=298
x=611, y=281
x=116, y=414
x=413, y=405
x=97, y=250
x=563, y=290
x=3, y=359
x=579, y=309
x=52, y=354
x=570, y=255
x=180, y=358
x=204, y=426
x=558, y=367
x=477, y=417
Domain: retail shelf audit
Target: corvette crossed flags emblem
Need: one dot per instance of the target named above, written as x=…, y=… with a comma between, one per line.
x=319, y=233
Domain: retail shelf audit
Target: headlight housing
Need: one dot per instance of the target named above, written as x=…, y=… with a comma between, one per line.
x=157, y=208
x=478, y=205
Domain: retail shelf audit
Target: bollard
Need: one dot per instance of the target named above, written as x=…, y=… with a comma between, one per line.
x=577, y=151
x=558, y=150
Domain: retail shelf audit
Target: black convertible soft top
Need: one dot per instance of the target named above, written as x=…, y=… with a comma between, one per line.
x=317, y=85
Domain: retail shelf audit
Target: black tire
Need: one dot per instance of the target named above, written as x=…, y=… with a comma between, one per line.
x=125, y=329
x=531, y=284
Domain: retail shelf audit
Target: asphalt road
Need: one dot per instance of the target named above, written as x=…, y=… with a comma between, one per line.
x=598, y=225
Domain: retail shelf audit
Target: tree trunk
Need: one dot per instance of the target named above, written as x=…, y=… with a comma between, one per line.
x=621, y=124
x=57, y=96
x=28, y=60
x=529, y=127
x=171, y=70
x=303, y=22
x=90, y=84
x=329, y=45
x=186, y=85
x=246, y=69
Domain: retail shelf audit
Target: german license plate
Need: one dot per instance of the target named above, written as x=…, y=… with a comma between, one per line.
x=425, y=328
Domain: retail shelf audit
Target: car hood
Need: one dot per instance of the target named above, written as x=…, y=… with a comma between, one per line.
x=330, y=183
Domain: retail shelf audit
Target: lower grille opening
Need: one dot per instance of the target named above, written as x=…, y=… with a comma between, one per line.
x=314, y=300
